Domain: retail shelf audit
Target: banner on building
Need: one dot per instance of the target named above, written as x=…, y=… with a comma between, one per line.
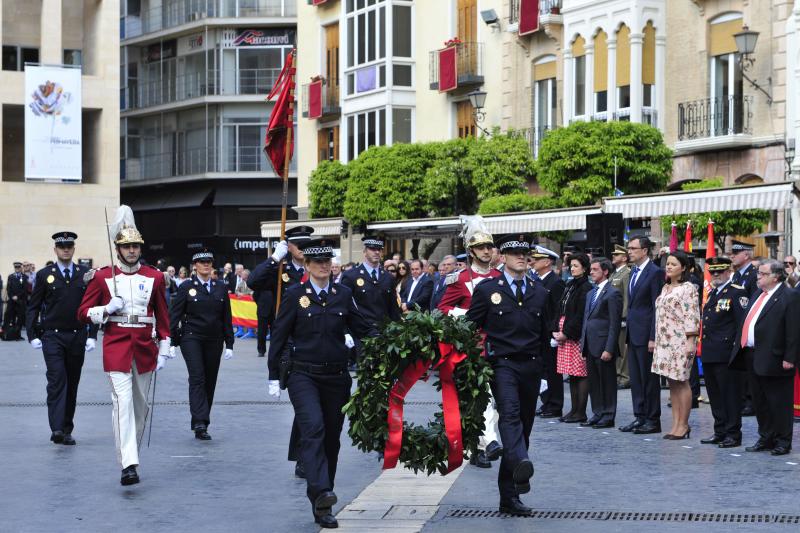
x=315, y=99
x=448, y=71
x=53, y=123
x=528, y=16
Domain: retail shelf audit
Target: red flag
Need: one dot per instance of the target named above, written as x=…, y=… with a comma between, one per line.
x=710, y=252
x=673, y=238
x=281, y=119
x=687, y=239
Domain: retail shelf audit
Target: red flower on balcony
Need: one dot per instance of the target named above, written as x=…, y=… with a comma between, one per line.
x=452, y=42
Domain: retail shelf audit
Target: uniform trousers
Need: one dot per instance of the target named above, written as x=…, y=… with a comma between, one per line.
x=15, y=313
x=318, y=400
x=602, y=387
x=725, y=395
x=645, y=385
x=202, y=358
x=772, y=401
x=553, y=397
x=261, y=335
x=63, y=356
x=515, y=387
x=623, y=375
x=129, y=392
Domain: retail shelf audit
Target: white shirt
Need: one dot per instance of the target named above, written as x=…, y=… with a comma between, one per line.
x=600, y=288
x=751, y=332
x=414, y=284
x=547, y=273
x=639, y=272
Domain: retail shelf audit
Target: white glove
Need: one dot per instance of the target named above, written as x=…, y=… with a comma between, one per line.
x=553, y=343
x=172, y=352
x=36, y=344
x=114, y=305
x=457, y=311
x=348, y=340
x=281, y=249
x=228, y=354
x=90, y=344
x=161, y=362
x=163, y=348
x=274, y=388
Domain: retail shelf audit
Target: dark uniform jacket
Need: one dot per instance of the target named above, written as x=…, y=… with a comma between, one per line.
x=316, y=328
x=512, y=330
x=723, y=316
x=196, y=313
x=553, y=283
x=748, y=281
x=376, y=301
x=54, y=302
x=264, y=282
x=17, y=285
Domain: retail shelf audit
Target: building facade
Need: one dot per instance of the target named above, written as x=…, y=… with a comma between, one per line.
x=59, y=32
x=194, y=76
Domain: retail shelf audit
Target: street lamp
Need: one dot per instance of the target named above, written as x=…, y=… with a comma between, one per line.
x=478, y=98
x=746, y=45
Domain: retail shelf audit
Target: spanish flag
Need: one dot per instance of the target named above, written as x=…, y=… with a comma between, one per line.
x=243, y=311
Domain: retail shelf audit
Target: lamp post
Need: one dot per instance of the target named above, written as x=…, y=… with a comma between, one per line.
x=746, y=45
x=477, y=99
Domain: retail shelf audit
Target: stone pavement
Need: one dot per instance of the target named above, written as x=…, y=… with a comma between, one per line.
x=601, y=480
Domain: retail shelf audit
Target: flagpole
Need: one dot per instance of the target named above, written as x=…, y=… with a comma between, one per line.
x=285, y=196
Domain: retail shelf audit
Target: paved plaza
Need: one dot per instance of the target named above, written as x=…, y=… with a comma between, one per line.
x=586, y=479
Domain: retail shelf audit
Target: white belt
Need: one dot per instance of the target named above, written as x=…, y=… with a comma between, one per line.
x=132, y=319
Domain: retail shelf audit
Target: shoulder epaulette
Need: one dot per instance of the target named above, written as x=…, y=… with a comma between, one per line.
x=87, y=277
x=735, y=286
x=451, y=278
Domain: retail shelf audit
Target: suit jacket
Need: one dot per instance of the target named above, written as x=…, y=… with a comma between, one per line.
x=421, y=295
x=572, y=306
x=642, y=305
x=439, y=287
x=777, y=335
x=553, y=283
x=602, y=321
x=621, y=280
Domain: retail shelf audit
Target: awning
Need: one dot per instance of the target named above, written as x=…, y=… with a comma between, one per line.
x=776, y=196
x=329, y=227
x=258, y=194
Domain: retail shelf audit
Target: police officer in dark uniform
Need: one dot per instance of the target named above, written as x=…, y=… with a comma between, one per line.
x=746, y=276
x=315, y=315
x=512, y=310
x=17, y=292
x=52, y=325
x=200, y=321
x=723, y=313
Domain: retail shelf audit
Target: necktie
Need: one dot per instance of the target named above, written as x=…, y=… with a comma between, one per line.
x=595, y=295
x=323, y=296
x=519, y=283
x=374, y=276
x=749, y=319
x=66, y=275
x=635, y=274
x=208, y=287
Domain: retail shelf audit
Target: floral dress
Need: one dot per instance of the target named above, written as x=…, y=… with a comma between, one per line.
x=677, y=313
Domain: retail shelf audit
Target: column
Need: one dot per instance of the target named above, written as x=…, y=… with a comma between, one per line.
x=637, y=40
x=612, y=77
x=568, y=70
x=660, y=103
x=50, y=44
x=589, y=100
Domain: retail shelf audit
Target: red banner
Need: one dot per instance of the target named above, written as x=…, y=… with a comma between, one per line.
x=450, y=409
x=448, y=70
x=528, y=16
x=281, y=119
x=315, y=99
x=710, y=252
x=687, y=238
x=319, y=2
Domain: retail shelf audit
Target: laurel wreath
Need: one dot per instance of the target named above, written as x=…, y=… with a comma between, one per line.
x=386, y=357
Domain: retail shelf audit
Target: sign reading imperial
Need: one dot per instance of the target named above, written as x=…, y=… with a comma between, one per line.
x=264, y=37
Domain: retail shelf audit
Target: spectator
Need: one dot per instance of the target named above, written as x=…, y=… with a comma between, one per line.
x=242, y=288
x=336, y=269
x=446, y=266
x=790, y=266
x=390, y=266
x=403, y=270
x=461, y=262
x=432, y=269
x=396, y=257
x=418, y=289
x=183, y=275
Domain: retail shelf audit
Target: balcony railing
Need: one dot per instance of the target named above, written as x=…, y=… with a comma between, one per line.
x=176, y=13
x=546, y=7
x=330, y=99
x=715, y=117
x=469, y=66
x=245, y=159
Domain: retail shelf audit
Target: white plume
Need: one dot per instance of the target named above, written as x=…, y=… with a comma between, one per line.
x=471, y=224
x=123, y=218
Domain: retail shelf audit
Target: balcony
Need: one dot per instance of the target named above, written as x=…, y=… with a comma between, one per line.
x=714, y=123
x=469, y=67
x=331, y=108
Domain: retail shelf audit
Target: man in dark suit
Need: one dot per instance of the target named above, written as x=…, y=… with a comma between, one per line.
x=418, y=291
x=602, y=321
x=767, y=347
x=644, y=287
x=446, y=267
x=744, y=275
x=17, y=292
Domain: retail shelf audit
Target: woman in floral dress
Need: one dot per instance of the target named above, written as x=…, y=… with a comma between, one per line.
x=677, y=326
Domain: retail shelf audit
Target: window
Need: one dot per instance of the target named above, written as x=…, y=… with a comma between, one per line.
x=726, y=83
x=402, y=75
x=73, y=57
x=624, y=97
x=29, y=55
x=401, y=31
x=544, y=103
x=10, y=58
x=465, y=122
x=401, y=125
x=365, y=130
x=15, y=57
x=328, y=144
x=580, y=86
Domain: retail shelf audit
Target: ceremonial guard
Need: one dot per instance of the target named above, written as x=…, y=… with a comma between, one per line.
x=200, y=322
x=17, y=293
x=52, y=325
x=455, y=302
x=512, y=311
x=722, y=314
x=315, y=315
x=130, y=300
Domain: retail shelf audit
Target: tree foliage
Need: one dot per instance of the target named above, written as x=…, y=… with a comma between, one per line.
x=327, y=186
x=515, y=202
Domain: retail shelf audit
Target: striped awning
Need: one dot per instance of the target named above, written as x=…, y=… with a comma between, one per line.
x=552, y=220
x=329, y=227
x=777, y=196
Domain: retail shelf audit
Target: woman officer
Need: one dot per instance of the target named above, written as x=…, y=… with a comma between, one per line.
x=316, y=314
x=200, y=320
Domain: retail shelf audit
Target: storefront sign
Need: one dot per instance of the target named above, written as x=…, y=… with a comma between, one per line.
x=191, y=44
x=264, y=37
x=160, y=51
x=250, y=245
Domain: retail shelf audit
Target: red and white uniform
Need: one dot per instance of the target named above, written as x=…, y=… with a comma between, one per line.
x=458, y=294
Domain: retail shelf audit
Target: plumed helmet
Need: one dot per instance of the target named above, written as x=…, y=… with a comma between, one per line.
x=475, y=232
x=123, y=229
x=478, y=238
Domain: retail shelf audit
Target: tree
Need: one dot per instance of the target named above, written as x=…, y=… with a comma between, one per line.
x=327, y=186
x=576, y=163
x=516, y=202
x=726, y=223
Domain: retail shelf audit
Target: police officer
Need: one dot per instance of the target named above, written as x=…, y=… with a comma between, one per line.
x=200, y=321
x=512, y=310
x=723, y=312
x=17, y=293
x=52, y=325
x=316, y=315
x=745, y=275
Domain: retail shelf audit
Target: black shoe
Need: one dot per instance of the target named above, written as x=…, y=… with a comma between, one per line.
x=57, y=437
x=648, y=428
x=780, y=450
x=604, y=424
x=68, y=440
x=695, y=403
x=327, y=521
x=323, y=503
x=623, y=386
x=493, y=451
x=551, y=414
x=479, y=459
x=592, y=421
x=129, y=476
x=201, y=434
x=633, y=425
x=748, y=411
x=685, y=436
x=299, y=471
x=514, y=506
x=540, y=411
x=522, y=476
x=730, y=443
x=760, y=446
x=574, y=419
x=260, y=354
x=716, y=439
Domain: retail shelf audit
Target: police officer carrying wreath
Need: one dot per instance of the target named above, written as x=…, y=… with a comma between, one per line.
x=52, y=325
x=512, y=310
x=200, y=321
x=316, y=315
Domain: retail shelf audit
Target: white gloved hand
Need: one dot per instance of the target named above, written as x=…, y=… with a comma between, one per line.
x=36, y=344
x=281, y=249
x=553, y=343
x=274, y=388
x=228, y=354
x=161, y=362
x=172, y=352
x=457, y=311
x=348, y=340
x=90, y=345
x=114, y=305
x=163, y=348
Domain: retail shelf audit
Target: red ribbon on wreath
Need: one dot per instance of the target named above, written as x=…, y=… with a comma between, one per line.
x=452, y=414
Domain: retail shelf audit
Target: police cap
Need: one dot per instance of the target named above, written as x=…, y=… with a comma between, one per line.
x=64, y=238
x=317, y=249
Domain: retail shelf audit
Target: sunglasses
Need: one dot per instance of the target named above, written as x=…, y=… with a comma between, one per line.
x=789, y=264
